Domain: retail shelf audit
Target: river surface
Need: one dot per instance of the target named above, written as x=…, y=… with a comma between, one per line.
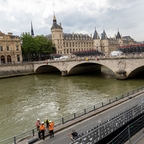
x=26, y=98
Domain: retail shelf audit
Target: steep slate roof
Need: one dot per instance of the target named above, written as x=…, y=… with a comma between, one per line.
x=103, y=35
x=68, y=35
x=118, y=36
x=127, y=38
x=14, y=36
x=55, y=25
x=95, y=36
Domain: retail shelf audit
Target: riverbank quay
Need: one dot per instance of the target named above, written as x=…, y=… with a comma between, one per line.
x=16, y=69
x=80, y=122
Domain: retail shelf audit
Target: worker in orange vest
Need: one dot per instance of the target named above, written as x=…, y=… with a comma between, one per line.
x=51, y=128
x=42, y=129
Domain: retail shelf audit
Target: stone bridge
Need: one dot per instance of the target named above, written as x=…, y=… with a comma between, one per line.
x=123, y=68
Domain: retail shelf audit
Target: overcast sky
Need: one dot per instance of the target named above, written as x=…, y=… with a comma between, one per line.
x=78, y=16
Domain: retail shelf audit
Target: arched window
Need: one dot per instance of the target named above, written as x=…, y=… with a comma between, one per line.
x=2, y=59
x=9, y=59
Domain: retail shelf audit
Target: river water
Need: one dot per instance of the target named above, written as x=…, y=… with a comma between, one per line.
x=26, y=98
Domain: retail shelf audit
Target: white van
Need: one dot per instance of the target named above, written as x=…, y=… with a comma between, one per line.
x=116, y=53
x=63, y=57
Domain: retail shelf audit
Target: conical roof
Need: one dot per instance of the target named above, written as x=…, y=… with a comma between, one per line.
x=103, y=35
x=32, y=31
x=95, y=36
x=118, y=36
x=55, y=25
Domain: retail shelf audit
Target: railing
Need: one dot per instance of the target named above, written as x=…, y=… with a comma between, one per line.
x=71, y=117
x=78, y=58
x=128, y=132
x=20, y=137
x=141, y=135
x=97, y=133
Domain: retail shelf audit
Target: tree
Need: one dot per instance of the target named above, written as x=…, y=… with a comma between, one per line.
x=36, y=48
x=28, y=46
x=44, y=47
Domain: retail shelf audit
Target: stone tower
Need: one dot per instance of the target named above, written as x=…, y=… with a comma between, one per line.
x=104, y=43
x=96, y=40
x=57, y=36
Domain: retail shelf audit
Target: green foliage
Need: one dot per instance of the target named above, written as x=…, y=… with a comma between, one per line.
x=36, y=48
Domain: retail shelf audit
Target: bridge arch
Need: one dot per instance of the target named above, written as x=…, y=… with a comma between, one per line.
x=87, y=66
x=45, y=68
x=136, y=72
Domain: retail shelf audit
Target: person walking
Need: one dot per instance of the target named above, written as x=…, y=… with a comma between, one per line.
x=42, y=129
x=38, y=123
x=51, y=129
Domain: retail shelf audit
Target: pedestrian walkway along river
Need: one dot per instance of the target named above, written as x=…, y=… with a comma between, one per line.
x=98, y=127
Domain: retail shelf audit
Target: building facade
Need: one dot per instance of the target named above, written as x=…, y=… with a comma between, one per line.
x=66, y=43
x=10, y=48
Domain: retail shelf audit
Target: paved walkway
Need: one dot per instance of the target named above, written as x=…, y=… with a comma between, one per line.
x=137, y=138
x=89, y=120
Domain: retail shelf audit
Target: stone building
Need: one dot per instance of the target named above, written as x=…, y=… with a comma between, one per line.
x=66, y=43
x=10, y=48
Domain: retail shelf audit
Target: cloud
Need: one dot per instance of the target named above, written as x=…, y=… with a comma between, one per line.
x=76, y=16
x=11, y=18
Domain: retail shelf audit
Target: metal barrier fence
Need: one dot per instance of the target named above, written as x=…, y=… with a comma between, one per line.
x=128, y=132
x=141, y=135
x=71, y=117
x=20, y=137
x=92, y=136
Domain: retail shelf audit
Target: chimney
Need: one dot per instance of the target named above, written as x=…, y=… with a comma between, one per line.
x=73, y=34
x=9, y=33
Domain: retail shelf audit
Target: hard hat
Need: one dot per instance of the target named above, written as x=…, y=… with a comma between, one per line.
x=50, y=121
x=42, y=122
x=38, y=119
x=46, y=118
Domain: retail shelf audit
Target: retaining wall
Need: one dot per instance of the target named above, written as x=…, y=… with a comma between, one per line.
x=16, y=69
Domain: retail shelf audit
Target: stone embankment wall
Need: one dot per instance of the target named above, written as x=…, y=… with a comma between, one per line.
x=11, y=70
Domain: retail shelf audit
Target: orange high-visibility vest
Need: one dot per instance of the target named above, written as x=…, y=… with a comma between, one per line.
x=42, y=127
x=51, y=126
